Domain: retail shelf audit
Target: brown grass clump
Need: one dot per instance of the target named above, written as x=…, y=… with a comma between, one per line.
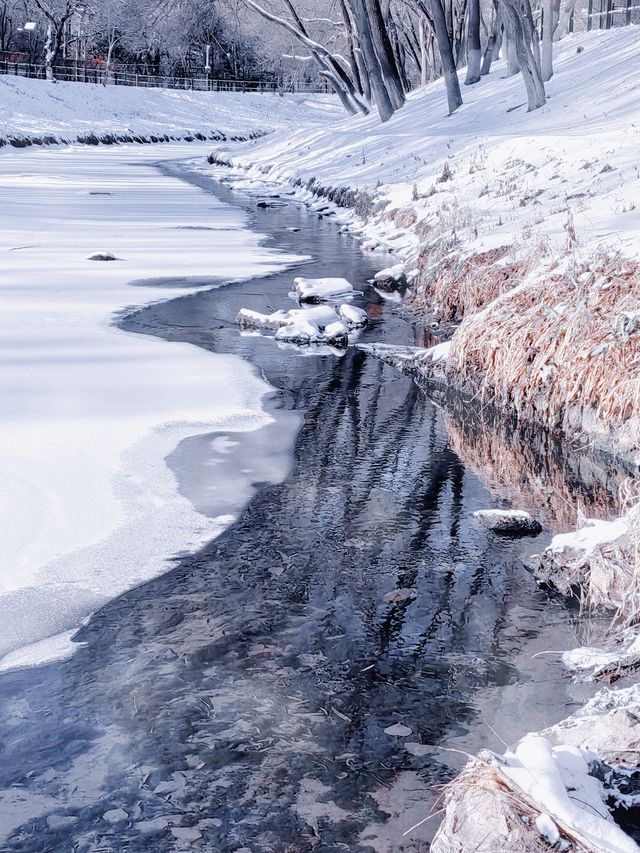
x=552, y=351
x=453, y=287
x=402, y=217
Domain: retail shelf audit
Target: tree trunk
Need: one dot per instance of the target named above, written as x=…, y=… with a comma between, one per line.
x=424, y=60
x=454, y=97
x=519, y=19
x=474, y=55
x=550, y=19
x=384, y=52
x=513, y=67
x=376, y=80
x=490, y=51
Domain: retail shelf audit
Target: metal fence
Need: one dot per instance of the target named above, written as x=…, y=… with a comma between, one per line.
x=605, y=14
x=115, y=76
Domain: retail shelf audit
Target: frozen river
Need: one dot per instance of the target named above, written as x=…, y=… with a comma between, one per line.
x=297, y=683
x=87, y=412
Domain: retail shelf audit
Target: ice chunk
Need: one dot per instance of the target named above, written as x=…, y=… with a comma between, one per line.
x=320, y=289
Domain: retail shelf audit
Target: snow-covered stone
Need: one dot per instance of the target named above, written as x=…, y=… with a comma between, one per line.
x=321, y=289
x=391, y=279
x=307, y=330
x=115, y=815
x=103, y=256
x=353, y=316
x=248, y=319
x=514, y=521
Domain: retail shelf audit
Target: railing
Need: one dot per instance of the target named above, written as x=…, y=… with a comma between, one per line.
x=81, y=73
x=605, y=14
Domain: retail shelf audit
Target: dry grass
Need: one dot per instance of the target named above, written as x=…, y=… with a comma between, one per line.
x=486, y=813
x=402, y=217
x=549, y=351
x=453, y=287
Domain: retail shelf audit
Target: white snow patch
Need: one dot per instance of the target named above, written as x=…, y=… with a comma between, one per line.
x=595, y=532
x=89, y=412
x=35, y=108
x=557, y=778
x=321, y=289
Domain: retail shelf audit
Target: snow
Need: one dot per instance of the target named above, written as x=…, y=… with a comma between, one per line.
x=321, y=289
x=89, y=412
x=557, y=779
x=35, y=108
x=547, y=829
x=353, y=316
x=517, y=173
x=440, y=352
x=590, y=659
x=592, y=535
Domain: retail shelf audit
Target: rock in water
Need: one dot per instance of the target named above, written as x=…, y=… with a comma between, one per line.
x=516, y=522
x=391, y=280
x=103, y=256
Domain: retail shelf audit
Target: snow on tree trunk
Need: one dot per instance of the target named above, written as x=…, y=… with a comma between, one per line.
x=49, y=54
x=454, y=96
x=474, y=55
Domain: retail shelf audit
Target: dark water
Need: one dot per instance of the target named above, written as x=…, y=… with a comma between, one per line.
x=239, y=702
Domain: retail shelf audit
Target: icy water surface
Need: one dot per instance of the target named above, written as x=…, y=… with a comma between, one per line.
x=240, y=702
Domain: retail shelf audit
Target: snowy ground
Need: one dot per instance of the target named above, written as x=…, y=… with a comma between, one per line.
x=88, y=412
x=516, y=177
x=35, y=108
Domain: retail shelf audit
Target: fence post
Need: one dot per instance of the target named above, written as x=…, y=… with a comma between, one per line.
x=589, y=14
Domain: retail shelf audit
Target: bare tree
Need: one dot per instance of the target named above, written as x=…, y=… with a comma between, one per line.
x=521, y=32
x=333, y=67
x=550, y=19
x=57, y=13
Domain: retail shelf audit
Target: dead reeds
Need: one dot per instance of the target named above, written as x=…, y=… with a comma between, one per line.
x=551, y=351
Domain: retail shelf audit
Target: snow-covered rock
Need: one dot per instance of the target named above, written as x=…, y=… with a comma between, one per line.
x=353, y=316
x=317, y=290
x=598, y=559
x=514, y=521
x=319, y=324
x=305, y=329
x=102, y=256
x=391, y=279
x=255, y=320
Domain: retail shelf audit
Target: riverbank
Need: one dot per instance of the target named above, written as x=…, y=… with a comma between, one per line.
x=489, y=206
x=41, y=113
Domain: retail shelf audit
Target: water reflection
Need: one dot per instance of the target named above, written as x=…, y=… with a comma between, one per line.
x=241, y=701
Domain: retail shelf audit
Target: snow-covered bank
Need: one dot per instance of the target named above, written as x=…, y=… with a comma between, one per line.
x=490, y=204
x=89, y=412
x=554, y=790
x=34, y=110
